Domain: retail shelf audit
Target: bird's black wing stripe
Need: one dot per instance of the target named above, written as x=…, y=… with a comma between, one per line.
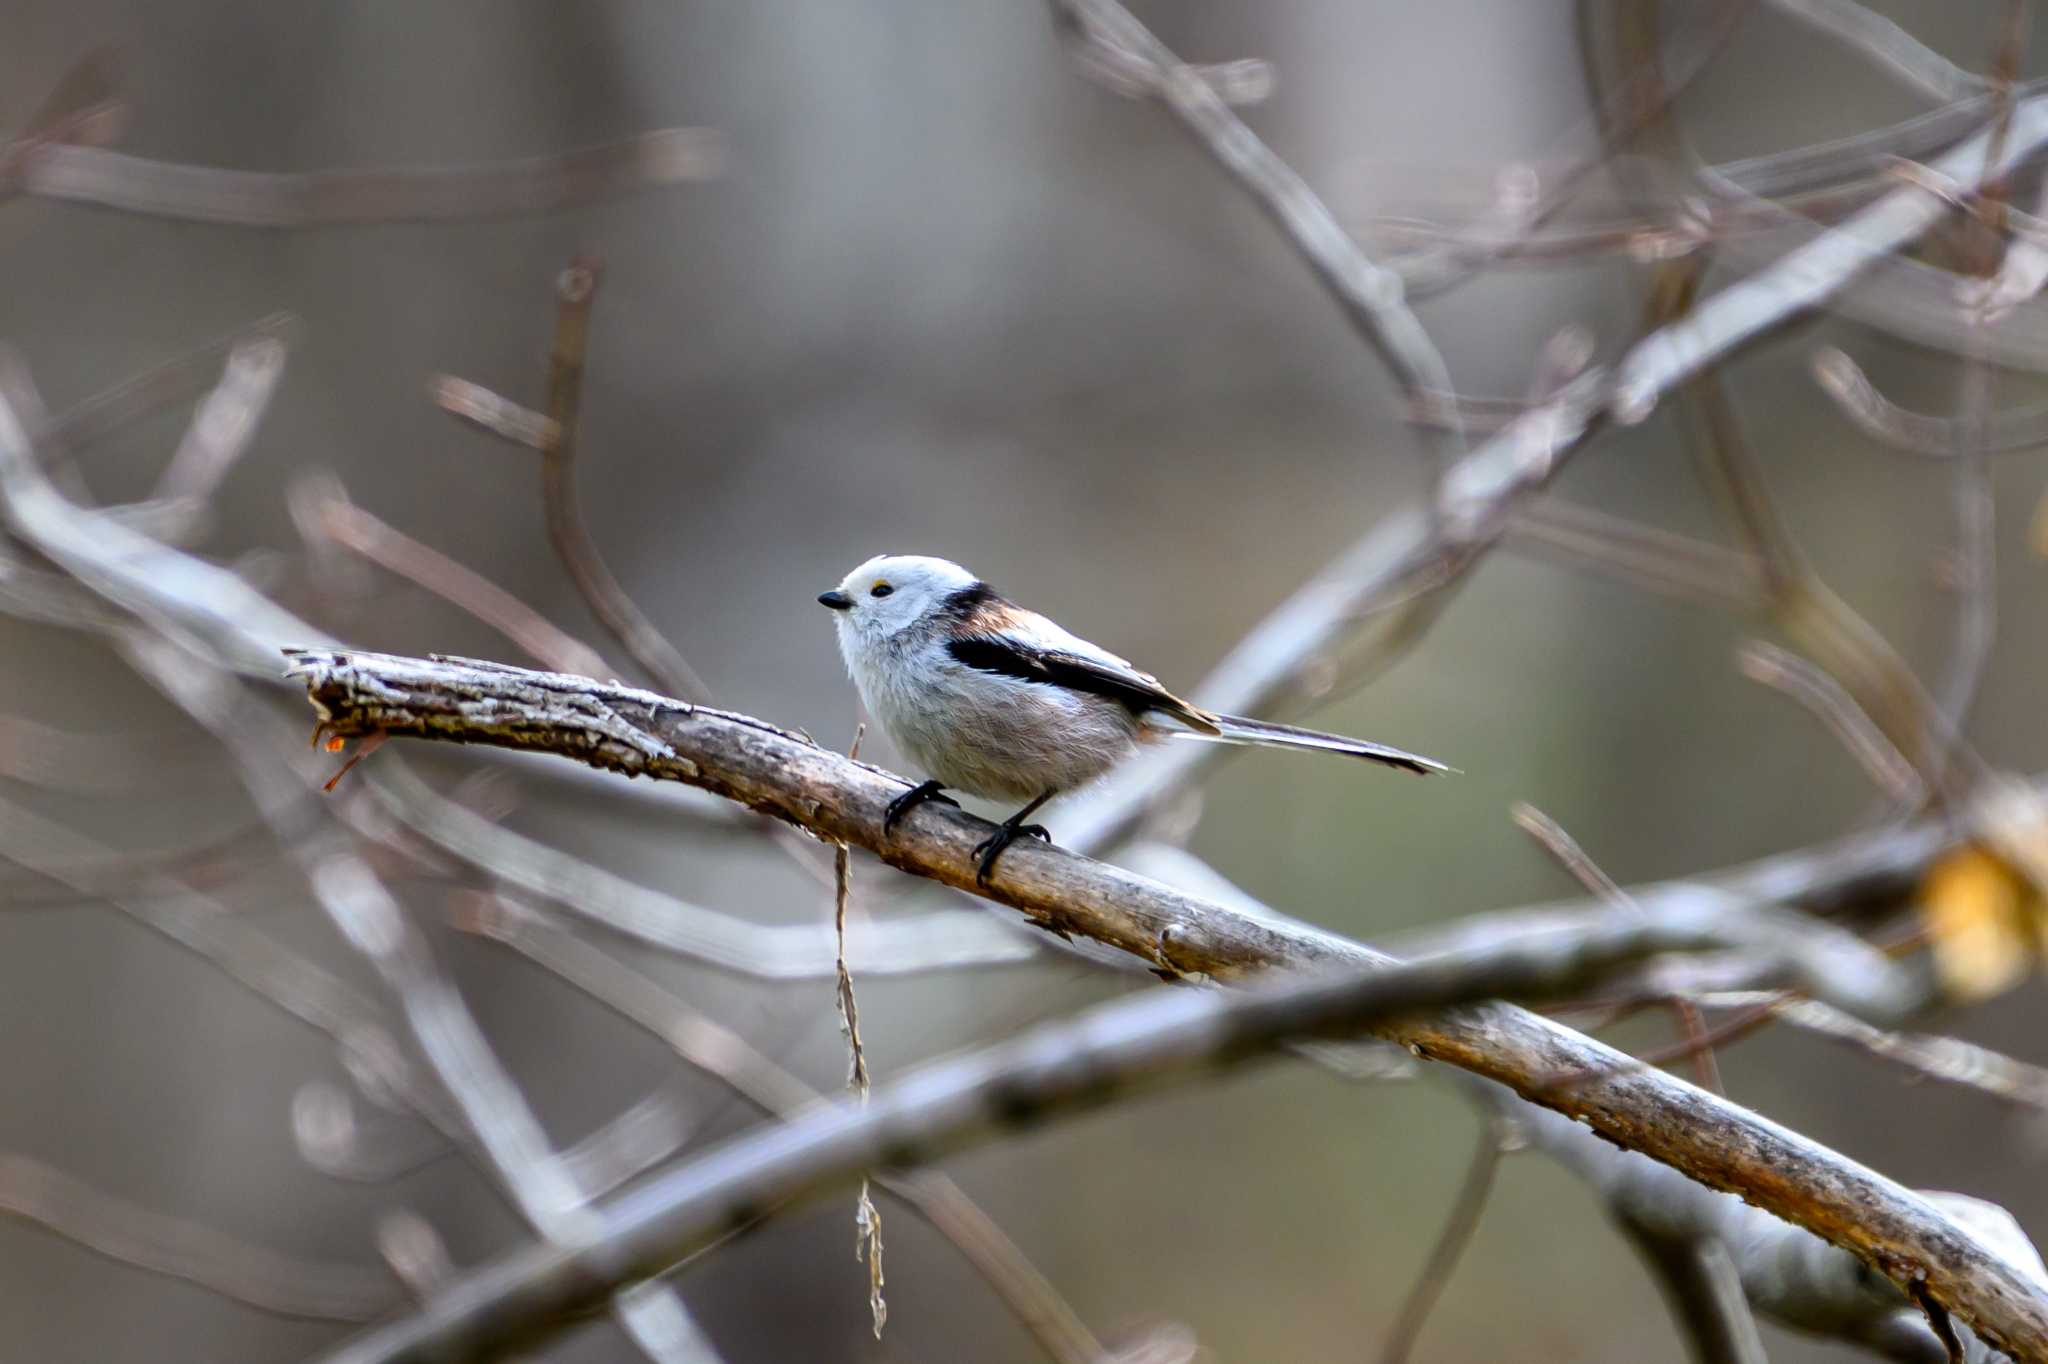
x=1051, y=668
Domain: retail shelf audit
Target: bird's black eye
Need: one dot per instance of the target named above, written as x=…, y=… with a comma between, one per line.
x=880, y=590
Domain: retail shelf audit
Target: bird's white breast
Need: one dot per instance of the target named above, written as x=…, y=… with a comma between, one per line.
x=981, y=732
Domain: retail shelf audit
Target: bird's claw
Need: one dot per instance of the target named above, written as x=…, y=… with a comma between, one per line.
x=927, y=791
x=989, y=849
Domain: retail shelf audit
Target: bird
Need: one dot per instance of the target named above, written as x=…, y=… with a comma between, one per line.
x=1000, y=702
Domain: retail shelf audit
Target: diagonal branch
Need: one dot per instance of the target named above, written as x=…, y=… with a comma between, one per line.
x=779, y=773
x=1173, y=1037
x=1369, y=293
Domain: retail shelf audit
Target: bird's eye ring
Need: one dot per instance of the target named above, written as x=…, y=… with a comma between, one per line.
x=880, y=590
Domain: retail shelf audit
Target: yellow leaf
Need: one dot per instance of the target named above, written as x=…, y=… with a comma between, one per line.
x=1978, y=913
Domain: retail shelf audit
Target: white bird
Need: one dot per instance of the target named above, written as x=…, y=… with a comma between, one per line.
x=1000, y=702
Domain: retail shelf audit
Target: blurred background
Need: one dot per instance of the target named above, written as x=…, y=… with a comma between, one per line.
x=947, y=297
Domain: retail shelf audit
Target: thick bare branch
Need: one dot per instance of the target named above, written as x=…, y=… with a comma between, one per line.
x=780, y=773
x=1159, y=1038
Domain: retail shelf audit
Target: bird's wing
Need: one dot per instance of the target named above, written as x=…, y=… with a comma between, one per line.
x=1013, y=642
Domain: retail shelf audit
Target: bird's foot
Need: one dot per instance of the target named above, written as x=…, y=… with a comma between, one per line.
x=910, y=800
x=989, y=849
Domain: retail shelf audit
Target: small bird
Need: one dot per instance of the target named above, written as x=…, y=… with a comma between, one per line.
x=1000, y=702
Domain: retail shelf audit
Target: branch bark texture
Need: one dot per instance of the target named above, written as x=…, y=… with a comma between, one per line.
x=780, y=773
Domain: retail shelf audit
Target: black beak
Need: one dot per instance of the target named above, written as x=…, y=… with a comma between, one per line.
x=838, y=601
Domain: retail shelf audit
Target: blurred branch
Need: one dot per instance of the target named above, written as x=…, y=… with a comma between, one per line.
x=221, y=429
x=1415, y=547
x=84, y=108
x=544, y=1189
x=1914, y=433
x=1103, y=32
x=342, y=198
x=728, y=1057
x=1643, y=556
x=1473, y=1191
x=248, y=955
x=1929, y=1056
x=219, y=1263
x=488, y=411
x=1812, y=273
x=1888, y=45
x=1974, y=565
x=575, y=288
x=330, y=511
x=1164, y=1037
x=1822, y=624
x=182, y=376
x=1702, y=1288
x=1795, y=1279
x=1823, y=697
x=103, y=762
x=1527, y=199
x=936, y=940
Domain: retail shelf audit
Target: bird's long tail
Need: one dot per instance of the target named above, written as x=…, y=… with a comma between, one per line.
x=1235, y=729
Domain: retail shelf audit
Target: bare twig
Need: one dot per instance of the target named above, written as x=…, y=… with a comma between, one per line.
x=936, y=940
x=261, y=1278
x=1473, y=1191
x=488, y=411
x=1889, y=45
x=575, y=288
x=1413, y=547
x=180, y=377
x=1551, y=836
x=247, y=954
x=1369, y=294
x=84, y=108
x=738, y=1064
x=540, y=1185
x=1814, y=272
x=1643, y=556
x=1828, y=702
x=1702, y=1287
x=1975, y=563
x=1914, y=433
x=226, y=420
x=330, y=510
x=1930, y=1056
x=342, y=198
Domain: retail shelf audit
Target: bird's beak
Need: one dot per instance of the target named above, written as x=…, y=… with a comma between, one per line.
x=838, y=601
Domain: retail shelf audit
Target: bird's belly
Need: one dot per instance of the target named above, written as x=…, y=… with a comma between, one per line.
x=1011, y=743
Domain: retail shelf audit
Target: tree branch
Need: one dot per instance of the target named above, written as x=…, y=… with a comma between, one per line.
x=1165, y=1037
x=782, y=774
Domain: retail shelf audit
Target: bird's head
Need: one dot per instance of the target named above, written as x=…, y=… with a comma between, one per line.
x=892, y=592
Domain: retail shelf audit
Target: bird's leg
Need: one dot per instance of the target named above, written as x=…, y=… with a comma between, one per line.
x=910, y=800
x=990, y=848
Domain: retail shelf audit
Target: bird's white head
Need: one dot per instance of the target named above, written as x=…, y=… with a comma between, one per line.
x=892, y=592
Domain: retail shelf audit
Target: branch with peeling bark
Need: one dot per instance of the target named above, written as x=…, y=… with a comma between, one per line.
x=780, y=773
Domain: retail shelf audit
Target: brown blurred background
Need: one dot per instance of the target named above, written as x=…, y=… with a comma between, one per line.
x=951, y=298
